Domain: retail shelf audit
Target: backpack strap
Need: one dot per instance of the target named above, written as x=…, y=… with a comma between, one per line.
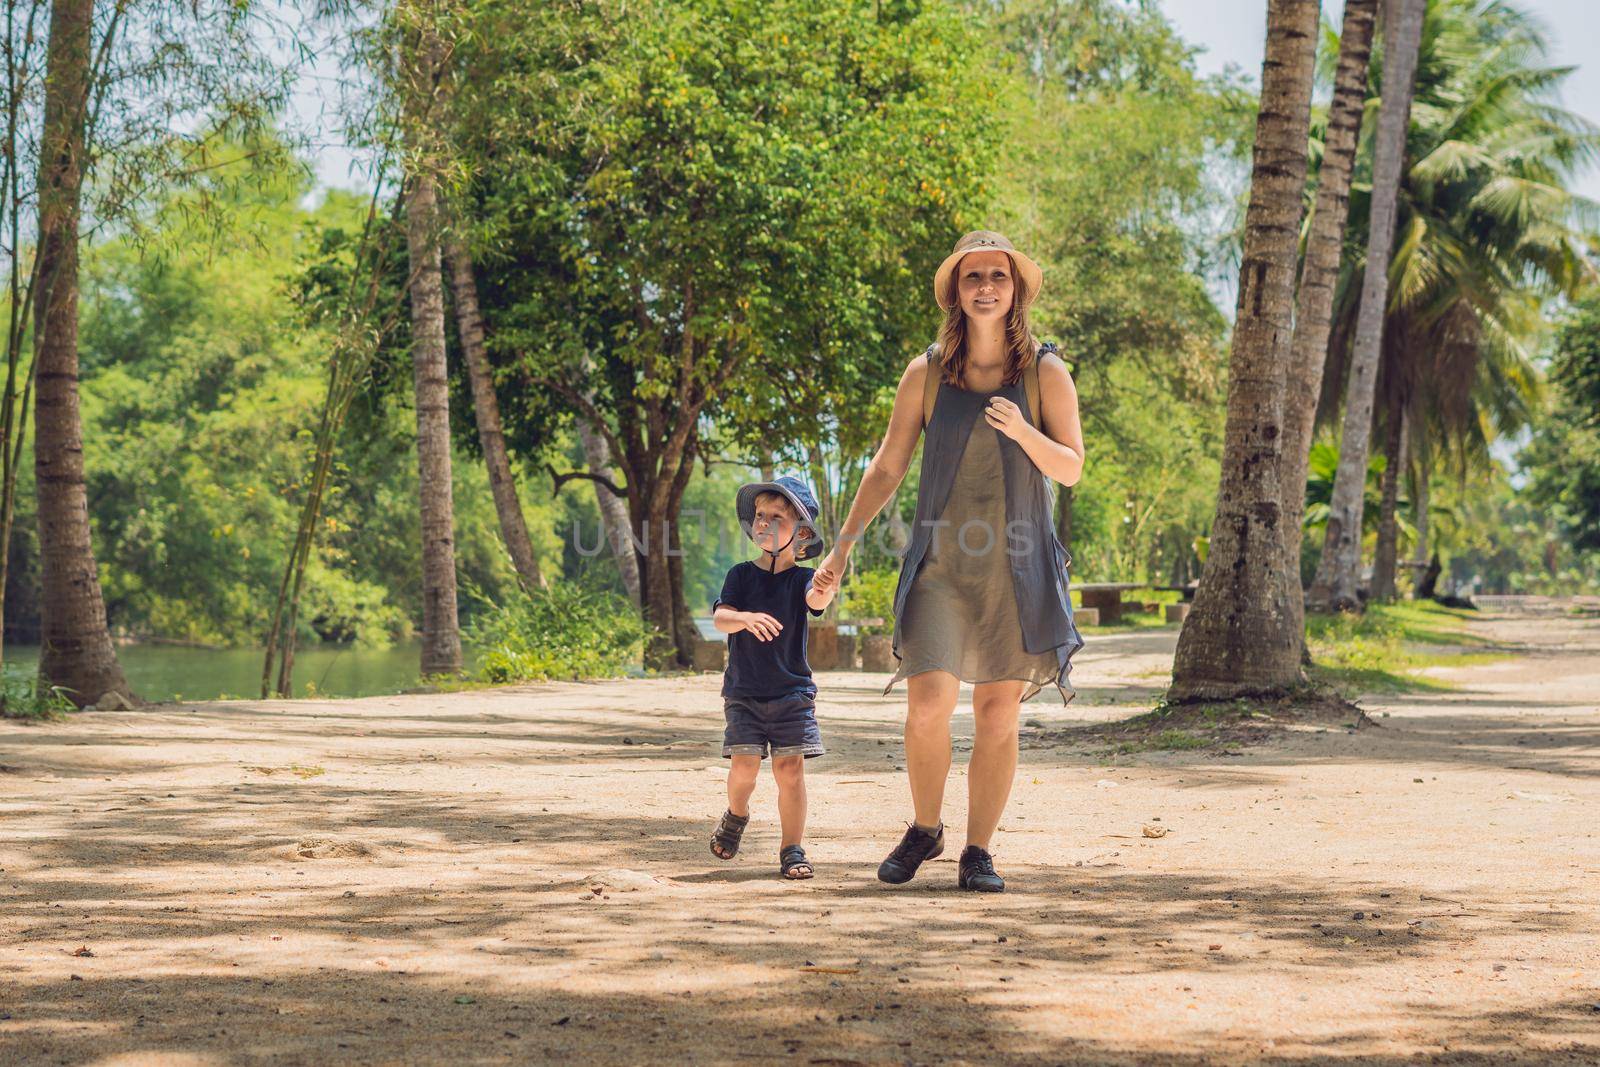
x=930, y=384
x=1030, y=383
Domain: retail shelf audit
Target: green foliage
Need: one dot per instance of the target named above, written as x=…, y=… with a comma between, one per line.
x=1112, y=93
x=1384, y=648
x=1497, y=538
x=771, y=185
x=196, y=379
x=1149, y=488
x=1564, y=457
x=1488, y=230
x=201, y=381
x=23, y=696
x=870, y=595
x=1321, y=470
x=565, y=631
x=1093, y=47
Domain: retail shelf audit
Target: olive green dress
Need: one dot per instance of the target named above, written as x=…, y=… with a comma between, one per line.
x=961, y=612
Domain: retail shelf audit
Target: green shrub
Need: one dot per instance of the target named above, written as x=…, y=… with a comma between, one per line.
x=22, y=698
x=870, y=595
x=565, y=631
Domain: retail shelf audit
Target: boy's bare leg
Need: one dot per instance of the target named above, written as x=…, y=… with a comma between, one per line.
x=930, y=701
x=790, y=774
x=742, y=773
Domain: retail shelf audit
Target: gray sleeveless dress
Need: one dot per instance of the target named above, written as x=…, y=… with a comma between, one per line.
x=983, y=583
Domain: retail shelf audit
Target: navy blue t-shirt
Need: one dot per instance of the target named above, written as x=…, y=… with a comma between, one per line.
x=761, y=669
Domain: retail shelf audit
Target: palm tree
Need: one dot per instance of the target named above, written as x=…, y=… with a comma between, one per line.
x=1319, y=276
x=422, y=69
x=486, y=411
x=1334, y=586
x=1487, y=232
x=1242, y=635
x=77, y=653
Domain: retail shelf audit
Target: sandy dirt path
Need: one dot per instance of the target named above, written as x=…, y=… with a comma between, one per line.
x=521, y=875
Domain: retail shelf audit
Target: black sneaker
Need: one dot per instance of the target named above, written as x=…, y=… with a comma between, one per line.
x=916, y=846
x=977, y=871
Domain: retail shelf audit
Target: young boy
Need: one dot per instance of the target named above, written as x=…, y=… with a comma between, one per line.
x=769, y=698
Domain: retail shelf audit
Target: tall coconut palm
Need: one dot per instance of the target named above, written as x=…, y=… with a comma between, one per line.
x=77, y=653
x=1334, y=586
x=1242, y=635
x=486, y=411
x=1319, y=276
x=422, y=70
x=1487, y=231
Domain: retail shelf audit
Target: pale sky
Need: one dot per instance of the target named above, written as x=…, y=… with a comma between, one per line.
x=1235, y=31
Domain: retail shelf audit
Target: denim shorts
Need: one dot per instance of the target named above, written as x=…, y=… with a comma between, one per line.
x=786, y=724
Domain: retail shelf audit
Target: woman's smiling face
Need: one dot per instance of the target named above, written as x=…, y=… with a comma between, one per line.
x=985, y=284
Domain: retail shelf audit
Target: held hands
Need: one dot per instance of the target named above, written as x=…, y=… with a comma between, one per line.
x=1006, y=417
x=831, y=570
x=764, y=626
x=824, y=581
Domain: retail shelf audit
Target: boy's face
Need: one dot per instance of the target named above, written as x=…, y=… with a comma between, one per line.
x=773, y=525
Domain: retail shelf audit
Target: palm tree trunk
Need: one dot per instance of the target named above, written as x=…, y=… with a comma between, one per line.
x=613, y=509
x=486, y=409
x=1335, y=586
x=441, y=634
x=1314, y=306
x=77, y=653
x=1240, y=637
x=1419, y=513
x=1386, y=553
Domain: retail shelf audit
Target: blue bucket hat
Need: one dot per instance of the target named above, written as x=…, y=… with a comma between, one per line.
x=800, y=497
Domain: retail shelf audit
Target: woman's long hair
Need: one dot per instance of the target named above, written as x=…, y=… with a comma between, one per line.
x=1021, y=345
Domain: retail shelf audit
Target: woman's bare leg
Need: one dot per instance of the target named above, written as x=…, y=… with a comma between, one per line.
x=930, y=701
x=996, y=706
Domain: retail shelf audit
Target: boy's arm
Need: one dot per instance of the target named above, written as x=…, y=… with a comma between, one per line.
x=820, y=590
x=731, y=621
x=728, y=619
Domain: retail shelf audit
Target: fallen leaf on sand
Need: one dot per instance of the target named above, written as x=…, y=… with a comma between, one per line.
x=323, y=848
x=623, y=880
x=1155, y=831
x=295, y=769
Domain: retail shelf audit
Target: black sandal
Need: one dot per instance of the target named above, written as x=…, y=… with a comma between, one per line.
x=725, y=838
x=793, y=863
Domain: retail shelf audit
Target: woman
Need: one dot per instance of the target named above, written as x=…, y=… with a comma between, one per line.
x=982, y=596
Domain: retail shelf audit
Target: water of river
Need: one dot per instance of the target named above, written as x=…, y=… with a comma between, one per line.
x=163, y=672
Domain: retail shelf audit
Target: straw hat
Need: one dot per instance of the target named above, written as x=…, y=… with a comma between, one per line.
x=986, y=241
